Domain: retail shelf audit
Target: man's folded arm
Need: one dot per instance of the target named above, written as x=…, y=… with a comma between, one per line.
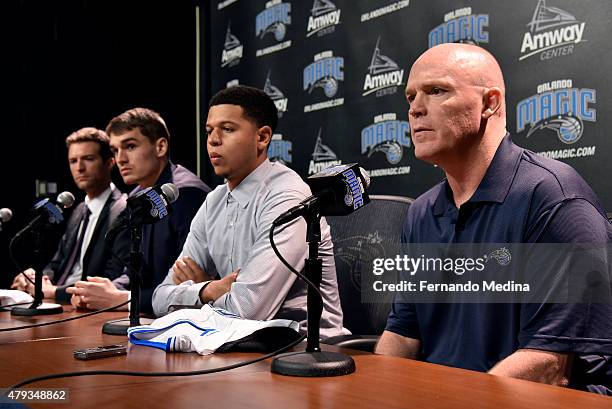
x=168, y=293
x=264, y=281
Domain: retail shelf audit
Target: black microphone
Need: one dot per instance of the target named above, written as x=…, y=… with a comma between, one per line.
x=146, y=207
x=152, y=204
x=51, y=212
x=338, y=190
x=48, y=212
x=5, y=215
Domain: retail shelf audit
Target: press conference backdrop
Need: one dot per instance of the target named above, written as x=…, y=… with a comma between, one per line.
x=337, y=70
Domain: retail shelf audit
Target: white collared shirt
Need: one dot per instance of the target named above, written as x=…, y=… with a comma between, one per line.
x=95, y=206
x=230, y=231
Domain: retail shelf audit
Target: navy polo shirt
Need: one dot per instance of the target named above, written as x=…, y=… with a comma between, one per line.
x=523, y=198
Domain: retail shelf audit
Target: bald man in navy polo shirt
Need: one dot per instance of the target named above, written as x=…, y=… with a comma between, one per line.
x=495, y=192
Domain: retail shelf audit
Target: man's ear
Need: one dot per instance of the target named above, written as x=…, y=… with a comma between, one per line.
x=264, y=136
x=161, y=147
x=492, y=101
x=110, y=162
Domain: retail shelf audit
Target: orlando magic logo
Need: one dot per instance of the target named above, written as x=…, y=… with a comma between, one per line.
x=55, y=214
x=558, y=107
x=280, y=150
x=386, y=135
x=324, y=18
x=232, y=49
x=322, y=156
x=568, y=128
x=502, y=256
x=324, y=72
x=160, y=210
x=461, y=26
x=358, y=252
x=552, y=33
x=354, y=194
x=274, y=19
x=276, y=95
x=384, y=75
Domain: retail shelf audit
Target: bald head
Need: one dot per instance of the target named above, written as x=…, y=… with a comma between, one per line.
x=468, y=62
x=456, y=96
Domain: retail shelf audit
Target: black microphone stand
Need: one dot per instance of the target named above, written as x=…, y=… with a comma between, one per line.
x=120, y=326
x=313, y=362
x=38, y=307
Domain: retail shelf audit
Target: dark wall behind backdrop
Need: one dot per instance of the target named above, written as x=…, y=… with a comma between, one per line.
x=73, y=63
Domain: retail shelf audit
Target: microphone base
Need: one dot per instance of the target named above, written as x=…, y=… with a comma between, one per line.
x=120, y=326
x=313, y=364
x=41, y=309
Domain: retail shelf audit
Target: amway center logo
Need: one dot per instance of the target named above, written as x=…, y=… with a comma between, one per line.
x=557, y=106
x=386, y=135
x=552, y=33
x=232, y=49
x=384, y=75
x=276, y=95
x=322, y=157
x=324, y=17
x=280, y=150
x=461, y=26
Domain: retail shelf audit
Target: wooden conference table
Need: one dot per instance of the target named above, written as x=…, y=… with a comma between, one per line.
x=379, y=382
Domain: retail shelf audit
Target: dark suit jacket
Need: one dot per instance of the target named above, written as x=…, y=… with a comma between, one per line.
x=163, y=241
x=98, y=259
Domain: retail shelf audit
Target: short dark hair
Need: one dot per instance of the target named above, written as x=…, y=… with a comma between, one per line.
x=255, y=103
x=90, y=134
x=149, y=122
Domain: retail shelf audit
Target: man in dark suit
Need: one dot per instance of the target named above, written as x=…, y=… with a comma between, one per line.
x=140, y=142
x=82, y=251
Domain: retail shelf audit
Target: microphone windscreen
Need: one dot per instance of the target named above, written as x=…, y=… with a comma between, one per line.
x=5, y=214
x=171, y=191
x=66, y=199
x=366, y=176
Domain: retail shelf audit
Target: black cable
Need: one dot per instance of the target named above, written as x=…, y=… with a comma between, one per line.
x=150, y=374
x=163, y=374
x=89, y=314
x=290, y=267
x=26, y=277
x=15, y=261
x=113, y=254
x=12, y=255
